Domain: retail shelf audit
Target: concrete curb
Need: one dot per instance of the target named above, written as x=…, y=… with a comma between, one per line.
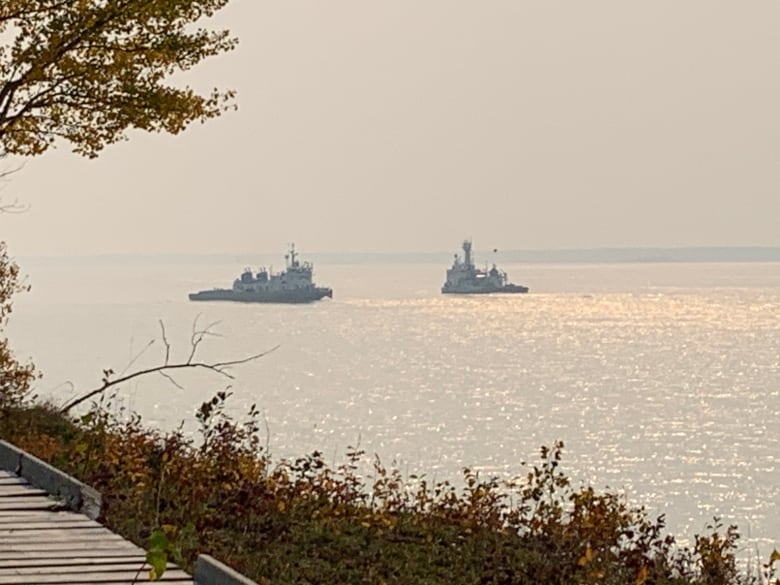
x=76, y=495
x=209, y=571
x=81, y=498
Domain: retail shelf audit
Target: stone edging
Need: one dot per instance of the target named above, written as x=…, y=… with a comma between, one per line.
x=209, y=571
x=76, y=495
x=86, y=500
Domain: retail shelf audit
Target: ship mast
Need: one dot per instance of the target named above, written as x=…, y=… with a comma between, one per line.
x=467, y=252
x=293, y=254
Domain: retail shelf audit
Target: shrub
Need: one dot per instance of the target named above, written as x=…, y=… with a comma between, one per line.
x=301, y=521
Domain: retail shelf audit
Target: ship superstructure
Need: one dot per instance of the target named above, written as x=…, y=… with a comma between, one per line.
x=465, y=278
x=292, y=285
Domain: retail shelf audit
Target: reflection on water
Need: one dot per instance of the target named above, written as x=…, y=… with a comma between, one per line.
x=662, y=380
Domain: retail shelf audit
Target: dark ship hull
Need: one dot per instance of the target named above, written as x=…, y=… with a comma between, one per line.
x=302, y=295
x=477, y=290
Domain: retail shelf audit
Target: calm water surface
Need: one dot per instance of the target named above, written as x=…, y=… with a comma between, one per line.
x=663, y=380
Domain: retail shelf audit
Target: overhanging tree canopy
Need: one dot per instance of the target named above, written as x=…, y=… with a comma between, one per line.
x=88, y=70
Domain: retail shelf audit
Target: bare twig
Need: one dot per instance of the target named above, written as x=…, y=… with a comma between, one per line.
x=267, y=434
x=138, y=355
x=165, y=341
x=14, y=206
x=172, y=380
x=199, y=335
x=11, y=171
x=218, y=367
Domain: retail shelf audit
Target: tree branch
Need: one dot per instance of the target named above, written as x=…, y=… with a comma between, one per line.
x=14, y=206
x=198, y=335
x=165, y=341
x=218, y=367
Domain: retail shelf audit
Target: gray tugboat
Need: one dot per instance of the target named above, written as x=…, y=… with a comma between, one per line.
x=466, y=279
x=293, y=285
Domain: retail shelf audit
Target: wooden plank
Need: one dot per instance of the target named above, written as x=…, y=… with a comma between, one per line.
x=44, y=543
x=38, y=561
x=31, y=494
x=52, y=555
x=82, y=568
x=33, y=505
x=40, y=529
x=61, y=541
x=9, y=503
x=12, y=490
x=126, y=577
x=145, y=579
x=41, y=517
x=90, y=535
x=76, y=547
x=13, y=480
x=74, y=493
x=61, y=513
x=8, y=527
x=23, y=490
x=163, y=580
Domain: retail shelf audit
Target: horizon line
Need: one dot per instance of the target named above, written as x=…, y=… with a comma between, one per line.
x=742, y=253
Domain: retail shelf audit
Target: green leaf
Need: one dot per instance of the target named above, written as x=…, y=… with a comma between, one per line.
x=158, y=541
x=157, y=559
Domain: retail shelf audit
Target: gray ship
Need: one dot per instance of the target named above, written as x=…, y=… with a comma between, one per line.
x=466, y=279
x=293, y=285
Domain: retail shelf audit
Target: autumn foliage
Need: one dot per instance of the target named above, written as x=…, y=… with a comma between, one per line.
x=302, y=521
x=86, y=71
x=15, y=377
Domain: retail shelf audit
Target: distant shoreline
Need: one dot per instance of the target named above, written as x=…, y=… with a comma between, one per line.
x=562, y=256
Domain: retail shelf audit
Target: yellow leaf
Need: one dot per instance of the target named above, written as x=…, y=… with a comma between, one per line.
x=641, y=576
x=281, y=506
x=586, y=558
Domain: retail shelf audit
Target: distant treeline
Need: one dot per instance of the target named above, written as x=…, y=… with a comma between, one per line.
x=568, y=256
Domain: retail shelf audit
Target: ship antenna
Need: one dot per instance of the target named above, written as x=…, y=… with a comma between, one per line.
x=293, y=261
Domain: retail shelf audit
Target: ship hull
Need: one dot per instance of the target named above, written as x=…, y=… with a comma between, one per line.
x=275, y=296
x=508, y=289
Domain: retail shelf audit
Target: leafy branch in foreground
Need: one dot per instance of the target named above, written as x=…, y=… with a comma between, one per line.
x=164, y=369
x=88, y=71
x=16, y=378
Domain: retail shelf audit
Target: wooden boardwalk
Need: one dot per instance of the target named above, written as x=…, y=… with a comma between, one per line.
x=43, y=542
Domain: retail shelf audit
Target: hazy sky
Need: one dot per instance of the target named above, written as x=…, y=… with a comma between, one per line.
x=407, y=125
